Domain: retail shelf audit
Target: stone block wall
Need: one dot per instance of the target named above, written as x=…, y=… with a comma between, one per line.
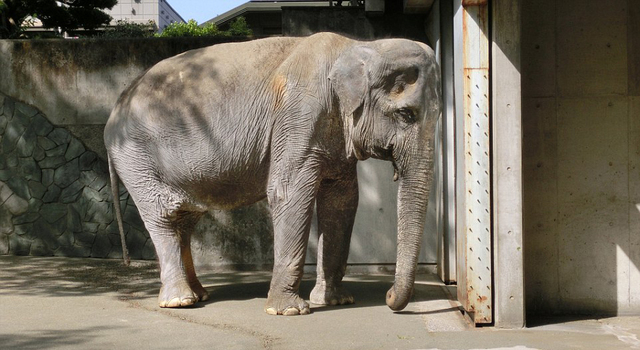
x=56, y=200
x=55, y=196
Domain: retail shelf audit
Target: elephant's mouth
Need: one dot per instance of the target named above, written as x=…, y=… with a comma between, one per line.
x=386, y=152
x=396, y=175
x=389, y=156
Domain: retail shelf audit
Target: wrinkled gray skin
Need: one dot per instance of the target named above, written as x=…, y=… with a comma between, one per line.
x=286, y=119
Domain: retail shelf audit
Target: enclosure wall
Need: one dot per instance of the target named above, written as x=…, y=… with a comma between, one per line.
x=581, y=118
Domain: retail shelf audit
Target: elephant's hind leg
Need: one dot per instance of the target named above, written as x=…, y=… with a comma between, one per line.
x=164, y=225
x=336, y=206
x=186, y=225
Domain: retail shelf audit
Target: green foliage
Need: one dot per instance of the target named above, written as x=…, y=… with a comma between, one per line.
x=126, y=29
x=191, y=28
x=69, y=15
x=12, y=15
x=238, y=27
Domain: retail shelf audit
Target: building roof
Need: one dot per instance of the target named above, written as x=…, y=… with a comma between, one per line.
x=261, y=6
x=174, y=10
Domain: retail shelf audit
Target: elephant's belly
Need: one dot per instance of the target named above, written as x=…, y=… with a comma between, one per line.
x=226, y=194
x=211, y=181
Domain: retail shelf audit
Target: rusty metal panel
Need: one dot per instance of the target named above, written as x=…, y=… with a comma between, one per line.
x=474, y=193
x=475, y=27
x=460, y=216
x=478, y=198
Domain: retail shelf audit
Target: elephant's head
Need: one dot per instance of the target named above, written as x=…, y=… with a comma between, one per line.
x=388, y=94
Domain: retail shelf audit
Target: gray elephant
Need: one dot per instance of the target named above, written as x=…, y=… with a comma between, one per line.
x=286, y=119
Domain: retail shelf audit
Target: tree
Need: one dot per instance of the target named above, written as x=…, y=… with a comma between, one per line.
x=64, y=14
x=126, y=29
x=191, y=28
x=238, y=27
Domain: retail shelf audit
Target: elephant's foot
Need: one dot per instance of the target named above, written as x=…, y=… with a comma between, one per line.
x=178, y=294
x=287, y=304
x=323, y=295
x=199, y=290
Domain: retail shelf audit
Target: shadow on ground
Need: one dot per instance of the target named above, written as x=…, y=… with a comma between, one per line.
x=52, y=339
x=64, y=277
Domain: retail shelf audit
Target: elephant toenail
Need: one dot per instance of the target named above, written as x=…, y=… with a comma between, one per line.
x=271, y=311
x=291, y=312
x=175, y=302
x=187, y=302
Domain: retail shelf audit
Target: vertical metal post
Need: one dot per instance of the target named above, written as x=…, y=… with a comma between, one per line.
x=458, y=64
x=447, y=261
x=475, y=289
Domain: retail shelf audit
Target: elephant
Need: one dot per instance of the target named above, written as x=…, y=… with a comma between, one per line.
x=285, y=119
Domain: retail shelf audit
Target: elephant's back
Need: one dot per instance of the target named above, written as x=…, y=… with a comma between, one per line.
x=204, y=116
x=197, y=82
x=200, y=116
x=220, y=86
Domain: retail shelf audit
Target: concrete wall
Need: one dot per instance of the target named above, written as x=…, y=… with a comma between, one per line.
x=581, y=116
x=72, y=86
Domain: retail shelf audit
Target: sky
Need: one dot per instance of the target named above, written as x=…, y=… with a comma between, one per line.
x=203, y=10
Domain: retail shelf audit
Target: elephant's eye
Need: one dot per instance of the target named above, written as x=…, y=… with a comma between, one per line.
x=406, y=114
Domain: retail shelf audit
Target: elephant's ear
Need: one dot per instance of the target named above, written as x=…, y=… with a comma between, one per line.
x=349, y=77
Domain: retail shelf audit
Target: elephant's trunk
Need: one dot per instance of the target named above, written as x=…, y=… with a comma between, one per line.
x=412, y=209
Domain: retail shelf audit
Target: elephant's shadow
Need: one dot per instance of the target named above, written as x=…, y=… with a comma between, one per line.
x=368, y=291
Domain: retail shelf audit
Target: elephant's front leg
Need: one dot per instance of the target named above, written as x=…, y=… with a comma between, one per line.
x=291, y=200
x=336, y=206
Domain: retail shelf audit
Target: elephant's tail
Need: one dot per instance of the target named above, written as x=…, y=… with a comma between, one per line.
x=115, y=190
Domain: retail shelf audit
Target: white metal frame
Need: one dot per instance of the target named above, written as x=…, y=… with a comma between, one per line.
x=485, y=132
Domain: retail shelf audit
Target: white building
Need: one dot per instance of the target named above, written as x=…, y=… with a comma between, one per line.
x=136, y=11
x=141, y=11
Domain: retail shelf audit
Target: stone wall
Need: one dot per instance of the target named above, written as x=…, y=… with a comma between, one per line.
x=55, y=195
x=56, y=199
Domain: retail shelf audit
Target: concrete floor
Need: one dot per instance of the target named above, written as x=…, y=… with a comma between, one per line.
x=63, y=303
